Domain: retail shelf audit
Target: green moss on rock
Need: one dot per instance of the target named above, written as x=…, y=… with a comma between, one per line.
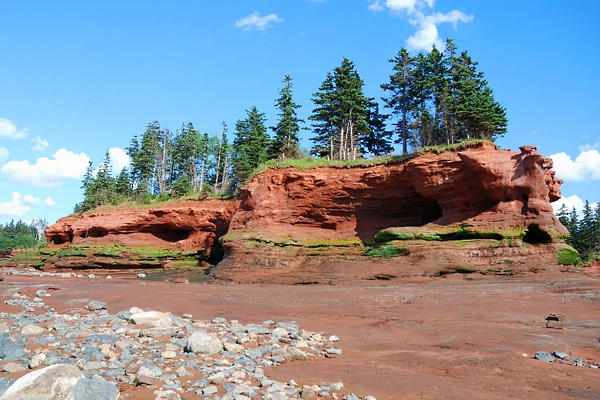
x=567, y=256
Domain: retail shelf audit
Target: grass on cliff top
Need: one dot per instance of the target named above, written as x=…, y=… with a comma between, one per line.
x=314, y=162
x=154, y=201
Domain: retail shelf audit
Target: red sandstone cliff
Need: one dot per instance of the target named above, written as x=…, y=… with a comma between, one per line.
x=488, y=189
x=186, y=225
x=298, y=223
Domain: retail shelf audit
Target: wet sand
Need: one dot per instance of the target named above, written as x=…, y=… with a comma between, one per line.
x=452, y=338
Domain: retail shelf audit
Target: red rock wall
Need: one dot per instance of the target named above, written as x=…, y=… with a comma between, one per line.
x=187, y=225
x=489, y=189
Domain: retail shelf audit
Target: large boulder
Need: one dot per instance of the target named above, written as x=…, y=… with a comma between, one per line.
x=93, y=389
x=152, y=318
x=50, y=383
x=203, y=343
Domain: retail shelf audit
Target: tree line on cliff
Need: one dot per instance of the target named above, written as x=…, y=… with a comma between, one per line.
x=584, y=230
x=435, y=98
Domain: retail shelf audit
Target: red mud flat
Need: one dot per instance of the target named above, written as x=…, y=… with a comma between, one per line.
x=451, y=338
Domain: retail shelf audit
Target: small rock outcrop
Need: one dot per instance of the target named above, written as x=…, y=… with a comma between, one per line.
x=185, y=225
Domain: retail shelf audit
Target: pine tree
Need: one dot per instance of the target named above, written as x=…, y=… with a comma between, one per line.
x=250, y=144
x=401, y=96
x=285, y=144
x=221, y=156
x=377, y=140
x=186, y=154
x=324, y=120
x=340, y=119
x=441, y=98
x=123, y=184
x=105, y=182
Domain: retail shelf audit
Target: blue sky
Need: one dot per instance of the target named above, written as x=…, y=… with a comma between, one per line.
x=78, y=78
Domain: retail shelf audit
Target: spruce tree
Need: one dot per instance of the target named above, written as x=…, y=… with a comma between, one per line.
x=401, y=96
x=123, y=184
x=250, y=144
x=186, y=154
x=285, y=144
x=340, y=119
x=377, y=140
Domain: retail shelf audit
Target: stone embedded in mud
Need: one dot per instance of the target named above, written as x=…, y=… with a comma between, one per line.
x=544, y=356
x=96, y=305
x=168, y=395
x=13, y=367
x=203, y=343
x=152, y=318
x=93, y=389
x=160, y=331
x=560, y=354
x=32, y=330
x=290, y=354
x=145, y=376
x=50, y=383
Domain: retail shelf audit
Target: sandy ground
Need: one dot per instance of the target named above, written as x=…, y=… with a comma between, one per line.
x=451, y=338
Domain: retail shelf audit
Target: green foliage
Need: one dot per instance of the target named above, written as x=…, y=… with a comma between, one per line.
x=343, y=118
x=19, y=235
x=441, y=98
x=567, y=256
x=386, y=250
x=285, y=144
x=251, y=143
x=585, y=232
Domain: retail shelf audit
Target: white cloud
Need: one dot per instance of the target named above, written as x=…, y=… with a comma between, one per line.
x=49, y=202
x=48, y=172
x=589, y=146
x=14, y=206
x=397, y=5
x=30, y=200
x=118, y=159
x=40, y=144
x=427, y=33
x=4, y=154
x=570, y=202
x=586, y=167
x=9, y=130
x=257, y=22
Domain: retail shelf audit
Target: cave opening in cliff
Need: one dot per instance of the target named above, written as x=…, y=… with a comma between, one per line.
x=172, y=236
x=536, y=235
x=94, y=232
x=430, y=211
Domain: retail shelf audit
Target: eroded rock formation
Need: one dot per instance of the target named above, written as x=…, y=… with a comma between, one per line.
x=288, y=218
x=186, y=225
x=489, y=190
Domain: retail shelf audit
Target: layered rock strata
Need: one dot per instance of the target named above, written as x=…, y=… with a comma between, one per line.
x=287, y=218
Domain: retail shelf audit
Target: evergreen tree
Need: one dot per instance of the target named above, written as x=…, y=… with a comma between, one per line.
x=186, y=153
x=105, y=183
x=285, y=144
x=221, y=156
x=340, y=119
x=584, y=232
x=250, y=144
x=441, y=98
x=377, y=140
x=401, y=97
x=123, y=184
